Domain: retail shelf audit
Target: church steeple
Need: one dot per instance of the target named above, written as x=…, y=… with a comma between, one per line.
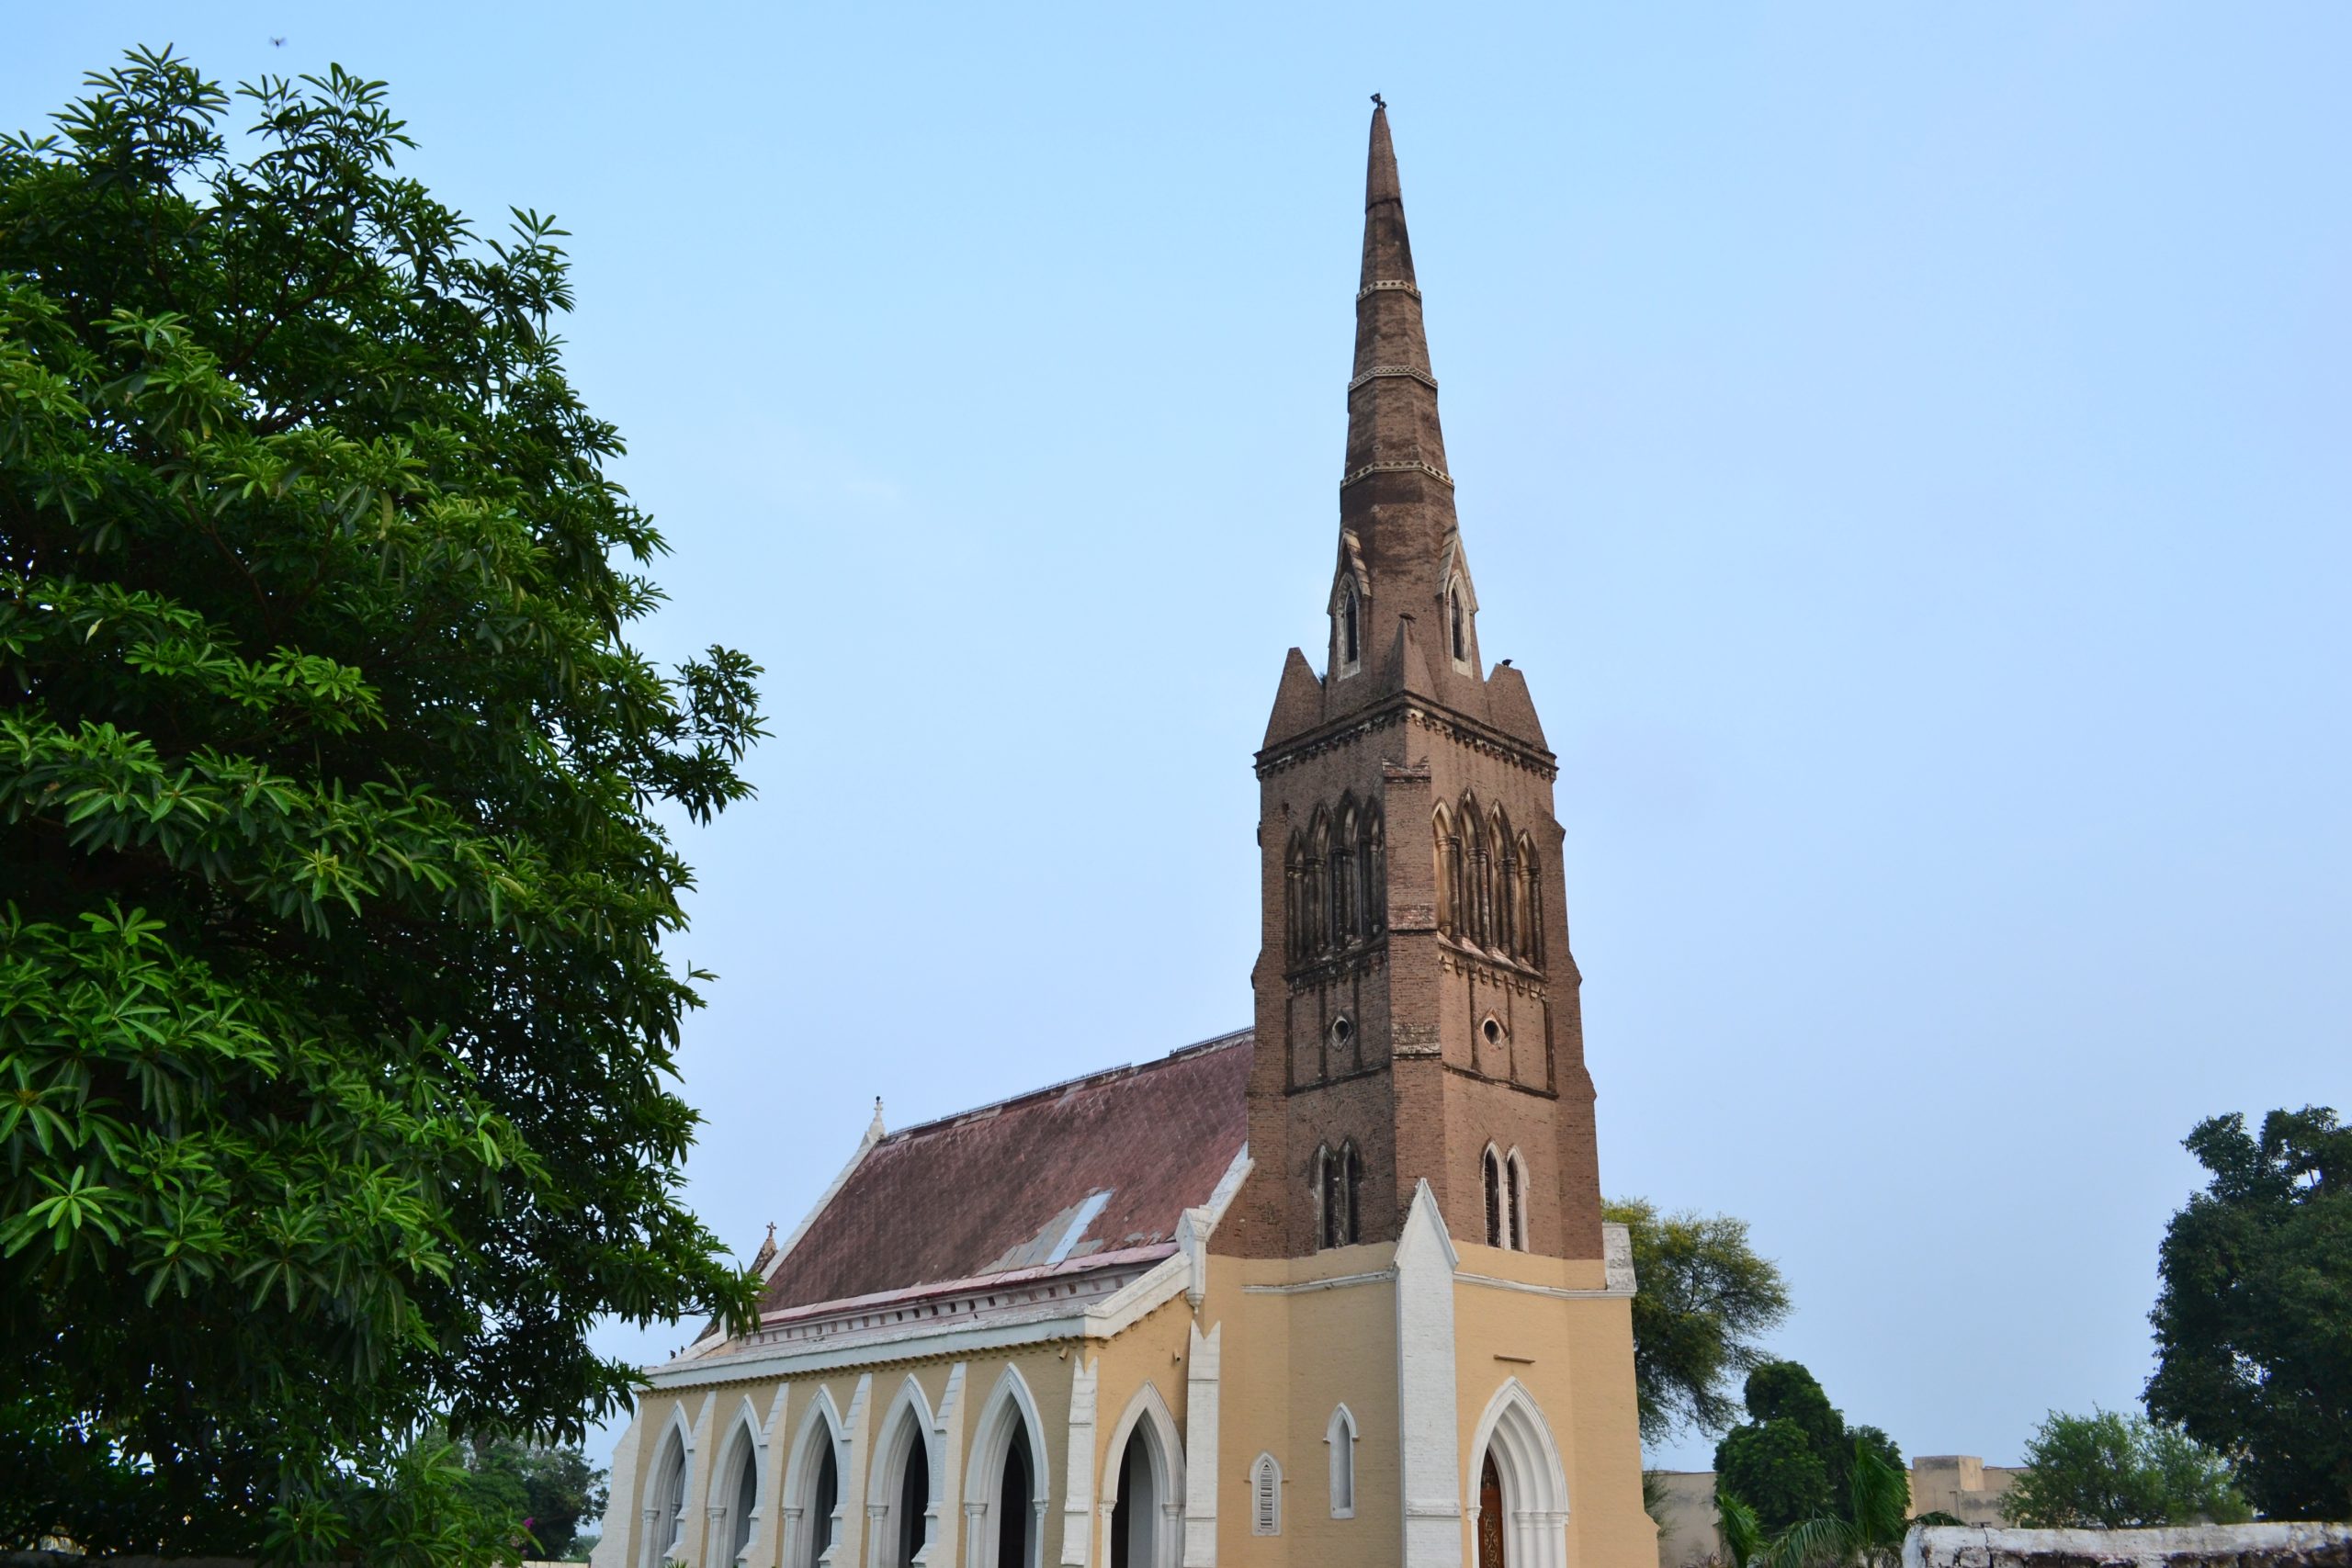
x=1416, y=1010
x=1398, y=539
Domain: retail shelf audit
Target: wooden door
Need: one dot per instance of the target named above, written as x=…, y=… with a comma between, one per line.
x=1491, y=1518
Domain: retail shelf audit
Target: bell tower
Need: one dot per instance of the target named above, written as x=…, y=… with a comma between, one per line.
x=1417, y=1012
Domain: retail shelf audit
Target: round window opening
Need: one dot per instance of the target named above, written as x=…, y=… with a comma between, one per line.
x=1493, y=1031
x=1343, y=1032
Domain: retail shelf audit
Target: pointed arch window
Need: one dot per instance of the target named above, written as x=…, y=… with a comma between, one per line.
x=1515, y=1202
x=665, y=1520
x=1494, y=1173
x=1345, y=868
x=1339, y=1175
x=1349, y=633
x=1265, y=1496
x=1449, y=871
x=1341, y=1437
x=1457, y=615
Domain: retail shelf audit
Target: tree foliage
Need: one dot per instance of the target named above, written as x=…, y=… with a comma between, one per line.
x=550, y=1489
x=2109, y=1471
x=1705, y=1300
x=1793, y=1459
x=335, y=1008
x=2254, y=1318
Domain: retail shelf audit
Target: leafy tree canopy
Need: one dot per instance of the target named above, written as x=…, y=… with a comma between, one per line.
x=1793, y=1460
x=2109, y=1471
x=2254, y=1317
x=335, y=1010
x=552, y=1491
x=1706, y=1298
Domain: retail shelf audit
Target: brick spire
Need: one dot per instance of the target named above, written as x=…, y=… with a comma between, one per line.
x=1396, y=494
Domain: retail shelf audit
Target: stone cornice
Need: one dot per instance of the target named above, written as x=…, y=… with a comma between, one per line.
x=1408, y=708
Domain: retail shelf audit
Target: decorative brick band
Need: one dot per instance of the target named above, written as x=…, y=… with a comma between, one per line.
x=1439, y=475
x=1381, y=284
x=1413, y=372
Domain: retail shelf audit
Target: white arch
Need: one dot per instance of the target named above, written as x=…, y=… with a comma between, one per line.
x=1340, y=1435
x=665, y=1510
x=1009, y=1416
x=743, y=1443
x=907, y=1421
x=1164, y=1449
x=821, y=1430
x=1265, y=1494
x=1535, y=1487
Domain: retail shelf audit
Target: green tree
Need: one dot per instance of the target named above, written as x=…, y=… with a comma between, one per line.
x=2109, y=1470
x=1794, y=1459
x=551, y=1489
x=2254, y=1358
x=1706, y=1298
x=335, y=1012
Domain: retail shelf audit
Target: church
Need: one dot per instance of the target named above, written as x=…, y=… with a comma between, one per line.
x=1333, y=1290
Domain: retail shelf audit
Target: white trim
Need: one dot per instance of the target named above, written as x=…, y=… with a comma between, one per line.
x=678, y=1440
x=1557, y=1292
x=1341, y=1437
x=1078, y=1485
x=1204, y=1369
x=1163, y=1445
x=1428, y=1435
x=886, y=1472
x=742, y=1443
x=1535, y=1486
x=822, y=1424
x=1336, y=1282
x=1010, y=1415
x=1265, y=1494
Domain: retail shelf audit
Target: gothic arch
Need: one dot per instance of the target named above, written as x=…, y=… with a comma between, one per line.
x=1294, y=874
x=735, y=1511
x=1151, y=1508
x=1528, y=925
x=1473, y=901
x=1339, y=1180
x=1491, y=1181
x=1449, y=870
x=820, y=1453
x=1372, y=850
x=1515, y=1198
x=1316, y=925
x=1503, y=872
x=1534, y=1486
x=1009, y=1421
x=1346, y=872
x=1340, y=1435
x=665, y=1497
x=903, y=1472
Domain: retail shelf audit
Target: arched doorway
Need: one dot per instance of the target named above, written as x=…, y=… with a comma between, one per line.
x=824, y=1501
x=914, y=1501
x=1135, y=1514
x=1491, y=1551
x=1522, y=1492
x=1015, y=1494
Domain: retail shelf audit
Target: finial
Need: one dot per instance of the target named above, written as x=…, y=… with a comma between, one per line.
x=771, y=1229
x=1378, y=102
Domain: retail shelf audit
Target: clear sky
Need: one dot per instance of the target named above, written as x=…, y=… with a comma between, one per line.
x=1906, y=448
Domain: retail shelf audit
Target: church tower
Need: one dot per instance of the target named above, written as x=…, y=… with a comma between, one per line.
x=1417, y=1014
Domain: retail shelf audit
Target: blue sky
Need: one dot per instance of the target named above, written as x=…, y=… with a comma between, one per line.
x=1905, y=447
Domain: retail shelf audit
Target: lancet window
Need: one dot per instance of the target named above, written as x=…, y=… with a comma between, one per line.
x=1335, y=875
x=1506, y=1200
x=1339, y=1175
x=1489, y=888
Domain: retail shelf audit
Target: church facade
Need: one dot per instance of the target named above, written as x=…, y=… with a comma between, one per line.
x=1334, y=1290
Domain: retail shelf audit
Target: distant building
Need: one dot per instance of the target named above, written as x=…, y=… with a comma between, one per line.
x=1331, y=1290
x=1960, y=1484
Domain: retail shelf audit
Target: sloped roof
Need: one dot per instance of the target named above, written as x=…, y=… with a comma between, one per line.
x=1096, y=1165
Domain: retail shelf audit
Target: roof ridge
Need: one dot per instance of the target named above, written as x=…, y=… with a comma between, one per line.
x=1101, y=1075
